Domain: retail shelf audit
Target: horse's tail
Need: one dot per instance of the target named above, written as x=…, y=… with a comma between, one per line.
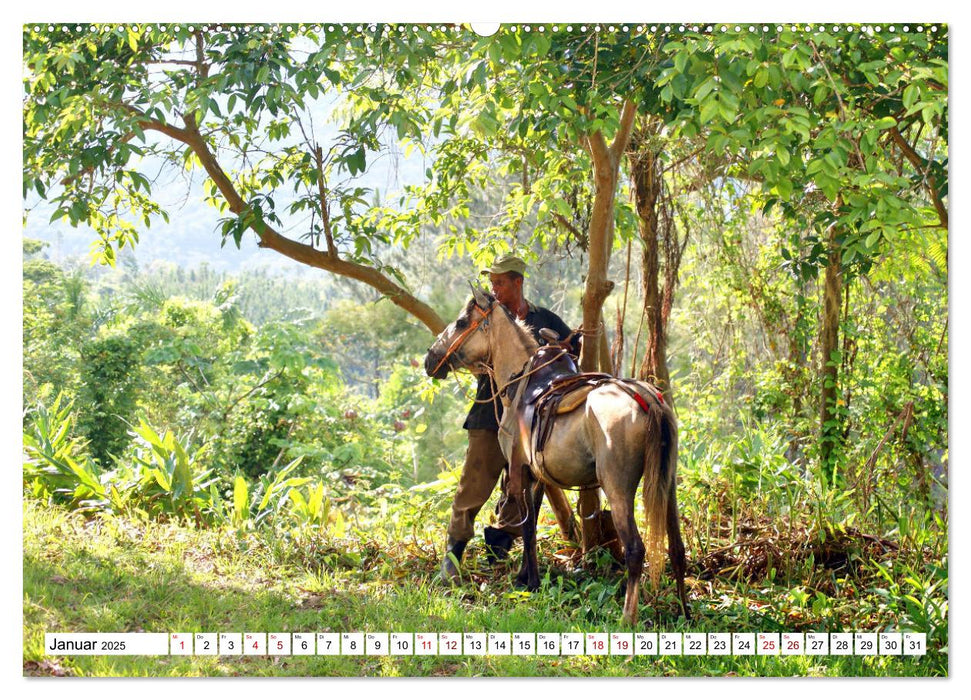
x=660, y=472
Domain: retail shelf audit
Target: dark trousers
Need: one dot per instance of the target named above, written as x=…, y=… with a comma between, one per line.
x=483, y=468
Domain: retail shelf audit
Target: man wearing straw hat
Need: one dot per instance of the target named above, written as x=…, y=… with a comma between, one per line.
x=484, y=462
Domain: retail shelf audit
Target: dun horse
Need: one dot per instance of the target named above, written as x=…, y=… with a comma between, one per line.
x=622, y=430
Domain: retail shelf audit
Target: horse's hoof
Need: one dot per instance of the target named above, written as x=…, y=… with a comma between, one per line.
x=522, y=583
x=498, y=544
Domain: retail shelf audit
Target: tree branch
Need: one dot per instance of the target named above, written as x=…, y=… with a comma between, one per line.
x=168, y=62
x=562, y=221
x=90, y=169
x=322, y=193
x=273, y=240
x=839, y=100
x=266, y=380
x=619, y=145
x=200, y=63
x=597, y=146
x=306, y=254
x=680, y=162
x=922, y=166
x=145, y=123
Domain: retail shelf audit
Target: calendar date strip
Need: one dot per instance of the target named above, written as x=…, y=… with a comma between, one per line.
x=486, y=644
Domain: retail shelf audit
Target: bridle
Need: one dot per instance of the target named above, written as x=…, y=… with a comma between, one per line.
x=481, y=322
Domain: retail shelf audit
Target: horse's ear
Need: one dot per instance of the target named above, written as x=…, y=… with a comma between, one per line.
x=481, y=300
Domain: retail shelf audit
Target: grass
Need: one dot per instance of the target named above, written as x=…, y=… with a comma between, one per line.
x=111, y=574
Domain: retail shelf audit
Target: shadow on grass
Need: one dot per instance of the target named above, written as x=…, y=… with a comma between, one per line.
x=96, y=594
x=72, y=589
x=84, y=592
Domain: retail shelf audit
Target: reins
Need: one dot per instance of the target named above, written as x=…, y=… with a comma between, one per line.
x=457, y=343
x=499, y=389
x=460, y=340
x=517, y=377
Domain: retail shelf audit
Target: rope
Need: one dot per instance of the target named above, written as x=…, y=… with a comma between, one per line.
x=498, y=392
x=492, y=375
x=587, y=333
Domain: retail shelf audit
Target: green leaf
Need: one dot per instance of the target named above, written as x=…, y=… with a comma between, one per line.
x=705, y=88
x=510, y=46
x=487, y=124
x=356, y=162
x=885, y=123
x=709, y=109
x=495, y=53
x=911, y=95
x=58, y=214
x=568, y=101
x=562, y=208
x=240, y=500
x=761, y=78
x=680, y=61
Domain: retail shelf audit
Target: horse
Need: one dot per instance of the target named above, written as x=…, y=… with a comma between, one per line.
x=622, y=431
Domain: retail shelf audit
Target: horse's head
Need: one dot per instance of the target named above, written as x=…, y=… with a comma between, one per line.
x=464, y=344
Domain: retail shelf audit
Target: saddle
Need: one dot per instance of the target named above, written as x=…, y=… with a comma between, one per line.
x=553, y=386
x=550, y=364
x=550, y=385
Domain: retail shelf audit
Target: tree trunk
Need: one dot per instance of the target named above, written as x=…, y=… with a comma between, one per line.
x=606, y=363
x=594, y=352
x=829, y=429
x=645, y=171
x=796, y=374
x=617, y=346
x=647, y=188
x=606, y=173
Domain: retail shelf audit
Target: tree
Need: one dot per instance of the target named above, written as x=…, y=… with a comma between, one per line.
x=570, y=100
x=105, y=105
x=217, y=97
x=660, y=241
x=844, y=133
x=109, y=392
x=819, y=121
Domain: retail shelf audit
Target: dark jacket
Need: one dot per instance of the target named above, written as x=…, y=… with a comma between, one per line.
x=482, y=416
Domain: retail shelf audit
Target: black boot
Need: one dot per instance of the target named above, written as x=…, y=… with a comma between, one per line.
x=498, y=543
x=449, y=571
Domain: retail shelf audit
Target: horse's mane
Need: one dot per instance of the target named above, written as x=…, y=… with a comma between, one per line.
x=525, y=333
x=522, y=328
